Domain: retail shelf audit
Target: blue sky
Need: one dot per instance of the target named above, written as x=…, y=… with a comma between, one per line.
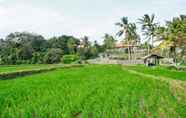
x=80, y=17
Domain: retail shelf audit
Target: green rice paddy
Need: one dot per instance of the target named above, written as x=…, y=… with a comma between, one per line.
x=95, y=91
x=14, y=68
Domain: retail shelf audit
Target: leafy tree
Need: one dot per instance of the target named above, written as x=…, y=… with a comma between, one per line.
x=100, y=48
x=25, y=52
x=53, y=56
x=25, y=47
x=109, y=41
x=37, y=58
x=66, y=43
x=93, y=52
x=84, y=48
x=71, y=44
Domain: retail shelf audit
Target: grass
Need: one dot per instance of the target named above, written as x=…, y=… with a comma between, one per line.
x=160, y=71
x=14, y=68
x=94, y=91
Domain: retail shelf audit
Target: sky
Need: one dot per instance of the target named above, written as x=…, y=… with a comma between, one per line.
x=93, y=18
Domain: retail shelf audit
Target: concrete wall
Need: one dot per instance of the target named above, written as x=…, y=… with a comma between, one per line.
x=109, y=61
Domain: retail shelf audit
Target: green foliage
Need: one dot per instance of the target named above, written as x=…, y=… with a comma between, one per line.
x=66, y=43
x=30, y=48
x=87, y=51
x=109, y=41
x=53, y=56
x=173, y=35
x=37, y=58
x=67, y=59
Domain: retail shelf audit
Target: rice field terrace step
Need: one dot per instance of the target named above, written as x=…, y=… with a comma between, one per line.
x=20, y=73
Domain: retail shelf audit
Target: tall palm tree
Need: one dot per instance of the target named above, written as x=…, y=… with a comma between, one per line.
x=134, y=38
x=124, y=30
x=129, y=31
x=148, y=28
x=133, y=35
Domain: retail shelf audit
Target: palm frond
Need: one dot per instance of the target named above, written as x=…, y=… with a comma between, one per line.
x=152, y=18
x=124, y=20
x=140, y=21
x=120, y=33
x=119, y=24
x=147, y=18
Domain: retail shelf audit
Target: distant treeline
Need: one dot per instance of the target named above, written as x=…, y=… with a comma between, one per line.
x=30, y=48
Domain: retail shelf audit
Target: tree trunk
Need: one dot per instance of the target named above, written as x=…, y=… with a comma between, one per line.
x=150, y=43
x=129, y=55
x=173, y=51
x=175, y=59
x=134, y=55
x=148, y=47
x=131, y=52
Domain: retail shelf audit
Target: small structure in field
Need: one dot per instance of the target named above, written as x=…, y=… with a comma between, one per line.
x=152, y=59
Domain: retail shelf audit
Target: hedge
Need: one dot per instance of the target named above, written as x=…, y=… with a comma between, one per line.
x=68, y=59
x=179, y=68
x=12, y=75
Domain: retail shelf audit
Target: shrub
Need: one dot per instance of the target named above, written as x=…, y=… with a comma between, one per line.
x=53, y=56
x=177, y=68
x=67, y=59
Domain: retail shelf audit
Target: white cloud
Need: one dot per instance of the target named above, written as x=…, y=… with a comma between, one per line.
x=62, y=17
x=28, y=18
x=45, y=21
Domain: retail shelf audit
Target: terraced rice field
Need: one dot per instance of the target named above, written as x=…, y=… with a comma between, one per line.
x=14, y=68
x=95, y=91
x=160, y=72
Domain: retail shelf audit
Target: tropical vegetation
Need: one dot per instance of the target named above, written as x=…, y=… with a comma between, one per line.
x=168, y=40
x=30, y=48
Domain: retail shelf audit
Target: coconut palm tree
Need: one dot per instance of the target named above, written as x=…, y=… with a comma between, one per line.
x=134, y=38
x=175, y=34
x=129, y=31
x=124, y=30
x=133, y=35
x=148, y=28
